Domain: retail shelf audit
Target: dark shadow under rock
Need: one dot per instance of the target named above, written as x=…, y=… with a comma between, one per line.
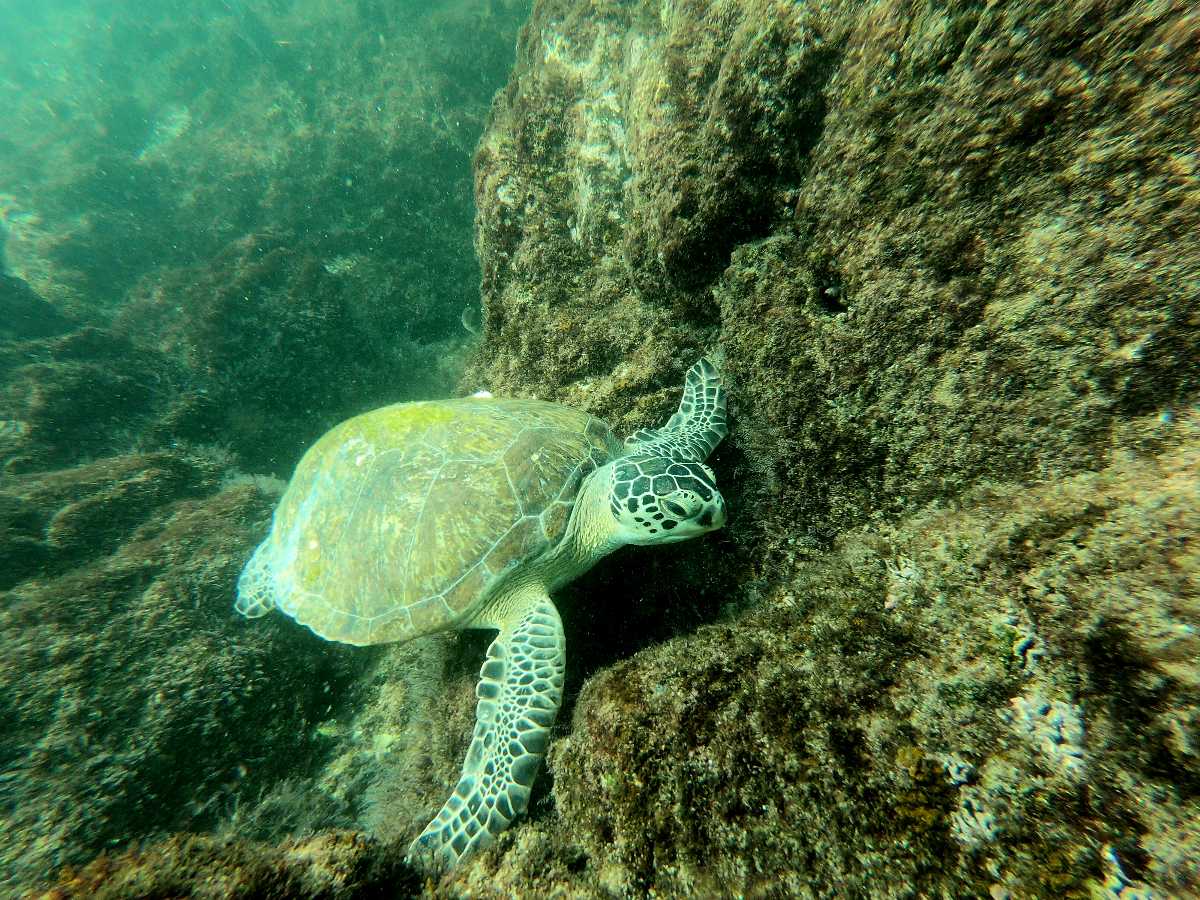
x=23, y=314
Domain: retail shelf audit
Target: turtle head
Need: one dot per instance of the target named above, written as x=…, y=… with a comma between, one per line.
x=660, y=500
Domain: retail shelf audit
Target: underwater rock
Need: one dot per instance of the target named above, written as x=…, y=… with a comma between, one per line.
x=941, y=250
x=918, y=236
x=90, y=393
x=23, y=314
x=54, y=520
x=332, y=866
x=132, y=702
x=1033, y=698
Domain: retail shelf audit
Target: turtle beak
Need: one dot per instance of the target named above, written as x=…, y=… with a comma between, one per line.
x=713, y=517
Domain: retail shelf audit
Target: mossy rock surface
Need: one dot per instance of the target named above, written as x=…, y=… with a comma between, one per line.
x=942, y=251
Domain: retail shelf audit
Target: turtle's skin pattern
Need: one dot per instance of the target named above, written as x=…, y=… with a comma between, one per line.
x=422, y=517
x=398, y=522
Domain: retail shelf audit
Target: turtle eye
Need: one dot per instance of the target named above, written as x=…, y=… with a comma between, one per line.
x=681, y=506
x=674, y=509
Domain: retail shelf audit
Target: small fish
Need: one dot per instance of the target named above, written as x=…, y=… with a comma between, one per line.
x=470, y=320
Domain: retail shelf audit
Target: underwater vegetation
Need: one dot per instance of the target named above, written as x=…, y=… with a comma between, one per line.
x=948, y=643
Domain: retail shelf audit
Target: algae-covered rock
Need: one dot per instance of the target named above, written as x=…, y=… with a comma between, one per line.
x=917, y=235
x=23, y=314
x=87, y=393
x=132, y=702
x=333, y=865
x=943, y=253
x=994, y=696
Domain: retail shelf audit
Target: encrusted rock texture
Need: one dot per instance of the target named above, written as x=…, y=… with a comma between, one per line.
x=946, y=255
x=134, y=704
x=333, y=866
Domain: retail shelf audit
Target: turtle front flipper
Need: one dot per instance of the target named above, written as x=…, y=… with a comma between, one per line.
x=695, y=429
x=520, y=689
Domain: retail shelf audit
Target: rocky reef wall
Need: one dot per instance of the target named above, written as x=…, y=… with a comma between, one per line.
x=946, y=252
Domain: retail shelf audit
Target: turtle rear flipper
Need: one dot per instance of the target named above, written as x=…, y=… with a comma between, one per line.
x=256, y=586
x=520, y=689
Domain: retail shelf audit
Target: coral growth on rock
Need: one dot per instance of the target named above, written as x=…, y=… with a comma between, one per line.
x=941, y=250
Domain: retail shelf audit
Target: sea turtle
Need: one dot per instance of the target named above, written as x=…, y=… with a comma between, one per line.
x=469, y=513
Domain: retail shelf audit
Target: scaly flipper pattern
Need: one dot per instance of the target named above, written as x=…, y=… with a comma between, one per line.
x=519, y=691
x=256, y=586
x=696, y=428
